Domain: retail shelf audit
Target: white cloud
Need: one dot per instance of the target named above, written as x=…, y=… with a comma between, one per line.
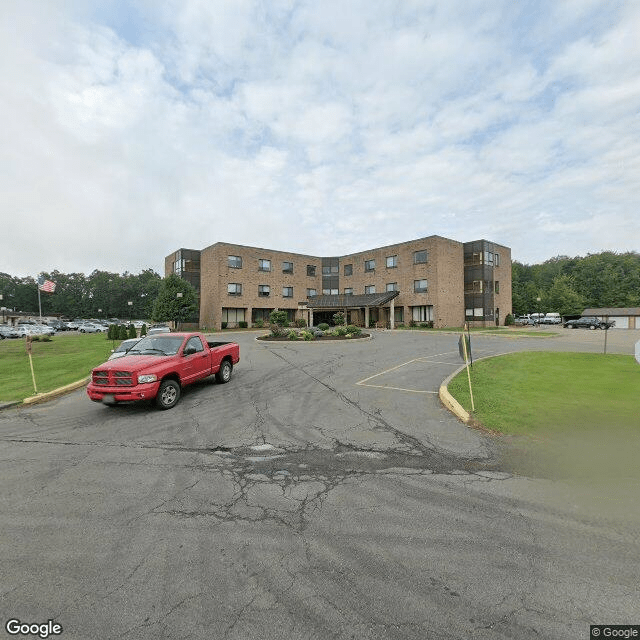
x=356, y=124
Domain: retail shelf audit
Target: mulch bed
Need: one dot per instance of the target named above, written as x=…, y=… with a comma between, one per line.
x=319, y=339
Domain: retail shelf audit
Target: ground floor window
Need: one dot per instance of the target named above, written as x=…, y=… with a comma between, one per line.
x=423, y=313
x=232, y=316
x=260, y=314
x=398, y=314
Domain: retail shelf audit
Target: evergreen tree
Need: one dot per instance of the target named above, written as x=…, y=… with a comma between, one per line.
x=177, y=301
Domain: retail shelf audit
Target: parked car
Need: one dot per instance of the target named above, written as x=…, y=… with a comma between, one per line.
x=7, y=331
x=551, y=318
x=160, y=366
x=589, y=323
x=122, y=349
x=158, y=328
x=524, y=320
x=58, y=325
x=89, y=327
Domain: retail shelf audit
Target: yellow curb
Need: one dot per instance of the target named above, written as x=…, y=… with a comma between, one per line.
x=449, y=401
x=43, y=397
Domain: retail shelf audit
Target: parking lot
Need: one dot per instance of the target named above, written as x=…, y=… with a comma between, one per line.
x=324, y=492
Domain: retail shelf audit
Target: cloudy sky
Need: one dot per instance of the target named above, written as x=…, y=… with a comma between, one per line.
x=131, y=129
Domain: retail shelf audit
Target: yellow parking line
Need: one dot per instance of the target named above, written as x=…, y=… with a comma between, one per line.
x=381, y=386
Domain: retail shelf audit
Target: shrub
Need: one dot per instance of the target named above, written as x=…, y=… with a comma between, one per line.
x=353, y=330
x=400, y=325
x=131, y=332
x=224, y=325
x=111, y=332
x=509, y=320
x=279, y=318
x=307, y=335
x=340, y=331
x=338, y=318
x=259, y=324
x=412, y=323
x=143, y=331
x=301, y=323
x=292, y=335
x=323, y=326
x=123, y=334
x=243, y=324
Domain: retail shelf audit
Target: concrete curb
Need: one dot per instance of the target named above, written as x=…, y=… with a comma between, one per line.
x=449, y=401
x=49, y=395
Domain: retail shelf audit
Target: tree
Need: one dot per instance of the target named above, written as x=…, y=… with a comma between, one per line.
x=563, y=298
x=177, y=301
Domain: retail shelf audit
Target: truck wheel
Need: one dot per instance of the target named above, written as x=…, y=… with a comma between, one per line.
x=168, y=394
x=224, y=373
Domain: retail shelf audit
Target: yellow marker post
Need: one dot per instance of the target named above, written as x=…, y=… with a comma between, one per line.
x=465, y=343
x=33, y=375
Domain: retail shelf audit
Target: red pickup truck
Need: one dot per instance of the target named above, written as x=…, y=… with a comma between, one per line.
x=159, y=366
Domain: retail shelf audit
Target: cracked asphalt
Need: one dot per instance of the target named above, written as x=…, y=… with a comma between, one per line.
x=295, y=503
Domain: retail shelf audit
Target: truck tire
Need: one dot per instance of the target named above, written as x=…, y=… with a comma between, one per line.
x=224, y=373
x=168, y=394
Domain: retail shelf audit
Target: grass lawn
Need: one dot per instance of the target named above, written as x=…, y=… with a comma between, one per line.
x=569, y=415
x=66, y=359
x=526, y=393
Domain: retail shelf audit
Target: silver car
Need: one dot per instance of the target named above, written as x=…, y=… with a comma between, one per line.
x=123, y=348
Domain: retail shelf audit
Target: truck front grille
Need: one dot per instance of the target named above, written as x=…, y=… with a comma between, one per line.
x=113, y=378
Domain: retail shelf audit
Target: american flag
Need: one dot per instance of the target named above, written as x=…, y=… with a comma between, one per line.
x=46, y=285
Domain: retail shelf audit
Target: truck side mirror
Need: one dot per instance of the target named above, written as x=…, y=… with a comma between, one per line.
x=189, y=351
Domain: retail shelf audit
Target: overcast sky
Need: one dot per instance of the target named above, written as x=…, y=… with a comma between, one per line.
x=131, y=129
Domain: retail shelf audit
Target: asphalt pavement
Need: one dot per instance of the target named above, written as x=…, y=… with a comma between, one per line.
x=323, y=493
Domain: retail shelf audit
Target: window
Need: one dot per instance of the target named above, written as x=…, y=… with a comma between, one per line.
x=420, y=257
x=420, y=286
x=496, y=259
x=330, y=292
x=392, y=262
x=369, y=265
x=194, y=343
x=235, y=262
x=234, y=289
x=348, y=291
x=264, y=265
x=497, y=286
x=311, y=293
x=232, y=316
x=264, y=290
x=329, y=270
x=311, y=269
x=423, y=313
x=287, y=292
x=392, y=286
x=488, y=257
x=287, y=267
x=370, y=288
x=348, y=269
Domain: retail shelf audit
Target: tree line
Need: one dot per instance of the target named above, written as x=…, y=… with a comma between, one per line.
x=570, y=285
x=99, y=295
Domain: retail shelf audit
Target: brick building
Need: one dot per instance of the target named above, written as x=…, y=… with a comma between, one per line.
x=431, y=279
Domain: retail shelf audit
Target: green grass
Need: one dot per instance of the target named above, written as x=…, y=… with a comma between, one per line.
x=66, y=359
x=541, y=392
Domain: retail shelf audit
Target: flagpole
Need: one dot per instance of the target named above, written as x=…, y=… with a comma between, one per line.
x=39, y=304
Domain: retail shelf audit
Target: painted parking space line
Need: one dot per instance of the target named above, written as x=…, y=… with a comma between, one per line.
x=423, y=360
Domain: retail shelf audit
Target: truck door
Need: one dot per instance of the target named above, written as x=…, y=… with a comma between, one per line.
x=198, y=363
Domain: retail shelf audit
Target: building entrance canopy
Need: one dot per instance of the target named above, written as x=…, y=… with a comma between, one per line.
x=365, y=300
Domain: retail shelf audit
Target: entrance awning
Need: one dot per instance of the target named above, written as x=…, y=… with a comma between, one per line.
x=351, y=301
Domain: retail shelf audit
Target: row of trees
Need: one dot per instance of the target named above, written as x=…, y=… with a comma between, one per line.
x=569, y=285
x=104, y=295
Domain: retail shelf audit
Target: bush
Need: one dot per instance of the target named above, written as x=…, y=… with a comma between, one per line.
x=243, y=324
x=353, y=330
x=338, y=318
x=123, y=334
x=301, y=323
x=292, y=335
x=509, y=320
x=131, y=332
x=412, y=323
x=110, y=332
x=259, y=324
x=340, y=331
x=400, y=325
x=224, y=324
x=307, y=335
x=323, y=326
x=279, y=318
x=143, y=331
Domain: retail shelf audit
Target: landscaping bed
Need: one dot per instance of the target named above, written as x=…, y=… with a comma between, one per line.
x=323, y=338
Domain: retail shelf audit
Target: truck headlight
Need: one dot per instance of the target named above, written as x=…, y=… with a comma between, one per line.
x=148, y=378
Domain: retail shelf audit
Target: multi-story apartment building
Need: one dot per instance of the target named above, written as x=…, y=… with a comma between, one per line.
x=431, y=279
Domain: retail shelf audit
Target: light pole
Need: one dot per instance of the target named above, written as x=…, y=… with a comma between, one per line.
x=130, y=309
x=178, y=297
x=538, y=301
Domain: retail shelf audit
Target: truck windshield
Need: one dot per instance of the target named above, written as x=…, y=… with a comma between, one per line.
x=158, y=345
